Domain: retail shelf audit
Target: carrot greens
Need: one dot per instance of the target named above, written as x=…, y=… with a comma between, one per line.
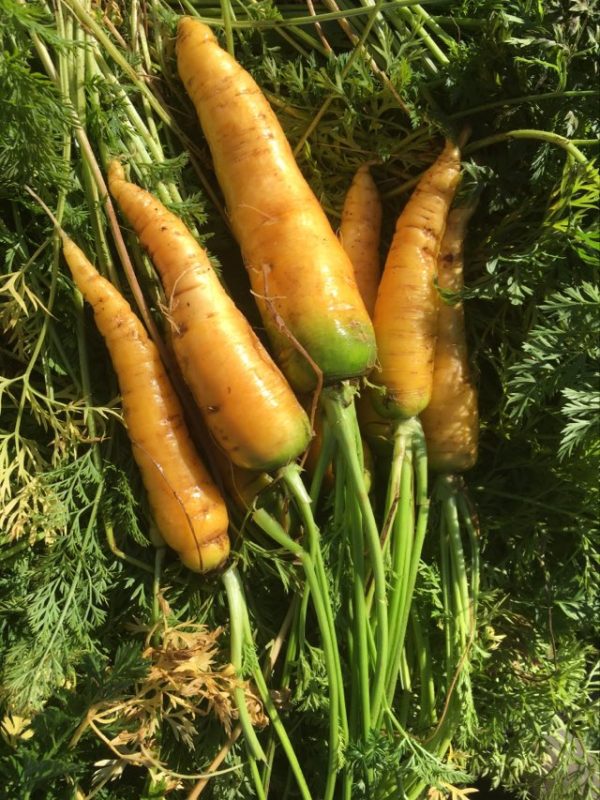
x=380, y=631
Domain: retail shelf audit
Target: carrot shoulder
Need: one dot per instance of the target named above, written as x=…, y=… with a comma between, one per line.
x=300, y=274
x=360, y=231
x=246, y=402
x=406, y=308
x=187, y=507
x=451, y=420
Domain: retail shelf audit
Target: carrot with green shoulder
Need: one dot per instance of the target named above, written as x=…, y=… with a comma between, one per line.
x=301, y=277
x=247, y=404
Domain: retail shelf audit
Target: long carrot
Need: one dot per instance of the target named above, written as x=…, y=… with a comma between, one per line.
x=187, y=507
x=360, y=231
x=451, y=420
x=406, y=308
x=246, y=402
x=301, y=276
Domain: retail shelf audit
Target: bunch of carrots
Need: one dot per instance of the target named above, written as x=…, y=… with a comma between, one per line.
x=219, y=425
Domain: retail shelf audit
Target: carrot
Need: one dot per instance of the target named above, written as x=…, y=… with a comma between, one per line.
x=301, y=277
x=247, y=404
x=188, y=510
x=406, y=308
x=360, y=230
x=451, y=420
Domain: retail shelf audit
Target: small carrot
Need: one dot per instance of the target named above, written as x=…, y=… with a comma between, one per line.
x=406, y=308
x=360, y=231
x=186, y=505
x=247, y=404
x=301, y=277
x=451, y=420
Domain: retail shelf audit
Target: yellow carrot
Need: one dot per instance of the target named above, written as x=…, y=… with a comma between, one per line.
x=247, y=404
x=302, y=278
x=406, y=308
x=360, y=231
x=188, y=510
x=451, y=420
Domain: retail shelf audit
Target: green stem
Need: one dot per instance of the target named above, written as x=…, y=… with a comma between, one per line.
x=263, y=690
x=293, y=481
x=525, y=133
x=218, y=22
x=237, y=606
x=427, y=686
x=402, y=535
x=228, y=17
x=467, y=519
x=420, y=473
x=361, y=653
x=323, y=462
x=339, y=406
x=272, y=528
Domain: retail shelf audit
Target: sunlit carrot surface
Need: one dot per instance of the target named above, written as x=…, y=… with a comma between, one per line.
x=406, y=308
x=302, y=279
x=187, y=507
x=451, y=420
x=247, y=404
x=360, y=231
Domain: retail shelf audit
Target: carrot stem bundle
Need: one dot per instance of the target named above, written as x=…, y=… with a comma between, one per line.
x=272, y=528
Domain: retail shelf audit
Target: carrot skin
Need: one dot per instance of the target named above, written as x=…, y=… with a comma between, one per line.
x=301, y=277
x=188, y=510
x=360, y=231
x=247, y=404
x=406, y=308
x=451, y=420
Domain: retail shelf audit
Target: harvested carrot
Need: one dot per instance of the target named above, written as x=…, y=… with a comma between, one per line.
x=451, y=420
x=406, y=308
x=247, y=404
x=188, y=510
x=301, y=277
x=360, y=231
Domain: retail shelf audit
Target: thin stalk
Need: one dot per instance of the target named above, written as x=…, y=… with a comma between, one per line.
x=338, y=402
x=324, y=460
x=420, y=531
x=427, y=686
x=272, y=528
x=302, y=500
x=228, y=18
x=450, y=511
x=265, y=695
x=361, y=654
x=525, y=133
x=218, y=22
x=466, y=516
x=402, y=534
x=237, y=607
